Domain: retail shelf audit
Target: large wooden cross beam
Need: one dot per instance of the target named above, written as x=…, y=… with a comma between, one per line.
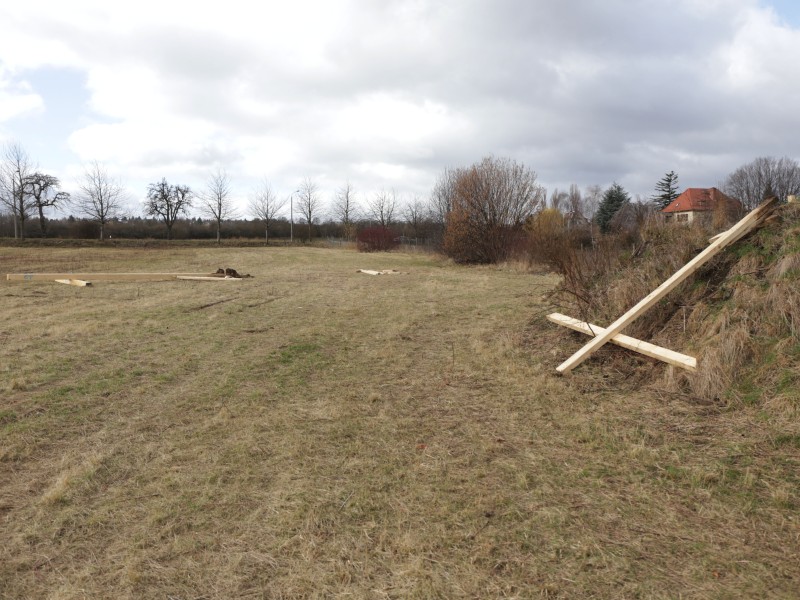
x=742, y=228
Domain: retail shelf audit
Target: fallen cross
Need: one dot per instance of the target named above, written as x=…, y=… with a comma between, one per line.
x=664, y=354
x=751, y=221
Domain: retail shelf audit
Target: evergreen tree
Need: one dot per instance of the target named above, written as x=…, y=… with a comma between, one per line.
x=666, y=190
x=614, y=198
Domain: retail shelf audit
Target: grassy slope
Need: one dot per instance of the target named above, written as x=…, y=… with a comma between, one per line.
x=316, y=432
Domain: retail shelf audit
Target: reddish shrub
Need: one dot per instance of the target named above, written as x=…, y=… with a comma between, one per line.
x=377, y=239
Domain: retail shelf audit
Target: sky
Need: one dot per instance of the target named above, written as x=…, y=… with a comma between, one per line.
x=387, y=94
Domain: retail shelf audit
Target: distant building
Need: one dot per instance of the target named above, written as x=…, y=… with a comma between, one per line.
x=696, y=203
x=575, y=220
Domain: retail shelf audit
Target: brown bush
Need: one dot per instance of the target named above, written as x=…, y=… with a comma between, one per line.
x=377, y=239
x=490, y=204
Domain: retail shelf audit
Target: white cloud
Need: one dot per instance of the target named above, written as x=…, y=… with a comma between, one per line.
x=17, y=98
x=388, y=94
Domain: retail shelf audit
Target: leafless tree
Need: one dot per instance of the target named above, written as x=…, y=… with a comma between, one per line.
x=414, y=213
x=441, y=202
x=575, y=200
x=216, y=202
x=167, y=202
x=764, y=177
x=265, y=205
x=591, y=200
x=308, y=202
x=45, y=193
x=382, y=207
x=558, y=200
x=345, y=209
x=100, y=196
x=15, y=170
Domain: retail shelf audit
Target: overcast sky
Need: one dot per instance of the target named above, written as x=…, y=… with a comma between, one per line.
x=387, y=94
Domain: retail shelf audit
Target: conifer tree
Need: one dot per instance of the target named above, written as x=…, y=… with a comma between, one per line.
x=666, y=190
x=614, y=198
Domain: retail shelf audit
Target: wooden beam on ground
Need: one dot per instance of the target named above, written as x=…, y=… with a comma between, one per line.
x=744, y=226
x=100, y=276
x=207, y=278
x=663, y=354
x=75, y=282
x=384, y=272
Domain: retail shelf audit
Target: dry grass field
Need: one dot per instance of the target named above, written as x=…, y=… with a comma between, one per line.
x=314, y=432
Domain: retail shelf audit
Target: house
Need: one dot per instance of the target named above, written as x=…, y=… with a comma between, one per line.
x=575, y=220
x=697, y=203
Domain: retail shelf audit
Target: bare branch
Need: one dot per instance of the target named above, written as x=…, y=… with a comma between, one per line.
x=167, y=202
x=100, y=196
x=15, y=169
x=216, y=202
x=308, y=202
x=265, y=205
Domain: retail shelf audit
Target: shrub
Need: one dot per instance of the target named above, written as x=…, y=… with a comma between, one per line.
x=377, y=239
x=489, y=203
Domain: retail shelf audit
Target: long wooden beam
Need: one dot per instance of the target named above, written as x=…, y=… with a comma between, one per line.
x=663, y=354
x=100, y=276
x=744, y=226
x=207, y=278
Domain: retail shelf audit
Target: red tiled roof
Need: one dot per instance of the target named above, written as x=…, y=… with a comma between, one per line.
x=699, y=199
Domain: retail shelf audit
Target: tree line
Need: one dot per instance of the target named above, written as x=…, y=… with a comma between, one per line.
x=477, y=213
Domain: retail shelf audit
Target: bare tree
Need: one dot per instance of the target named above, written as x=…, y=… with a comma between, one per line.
x=765, y=176
x=167, y=202
x=558, y=200
x=345, y=209
x=591, y=200
x=15, y=170
x=265, y=205
x=414, y=213
x=45, y=193
x=575, y=200
x=308, y=202
x=382, y=207
x=100, y=196
x=216, y=202
x=441, y=200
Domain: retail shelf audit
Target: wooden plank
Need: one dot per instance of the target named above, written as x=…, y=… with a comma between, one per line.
x=663, y=354
x=741, y=234
x=734, y=233
x=100, y=276
x=384, y=272
x=207, y=278
x=75, y=282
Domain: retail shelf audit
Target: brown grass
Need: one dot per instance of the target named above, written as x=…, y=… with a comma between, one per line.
x=315, y=432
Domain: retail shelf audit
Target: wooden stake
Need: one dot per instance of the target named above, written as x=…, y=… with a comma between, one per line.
x=744, y=226
x=663, y=354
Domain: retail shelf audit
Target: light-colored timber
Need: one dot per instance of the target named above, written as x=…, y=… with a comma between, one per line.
x=75, y=282
x=663, y=354
x=744, y=226
x=100, y=276
x=207, y=278
x=384, y=272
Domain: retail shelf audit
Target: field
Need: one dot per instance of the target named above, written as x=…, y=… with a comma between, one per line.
x=315, y=432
